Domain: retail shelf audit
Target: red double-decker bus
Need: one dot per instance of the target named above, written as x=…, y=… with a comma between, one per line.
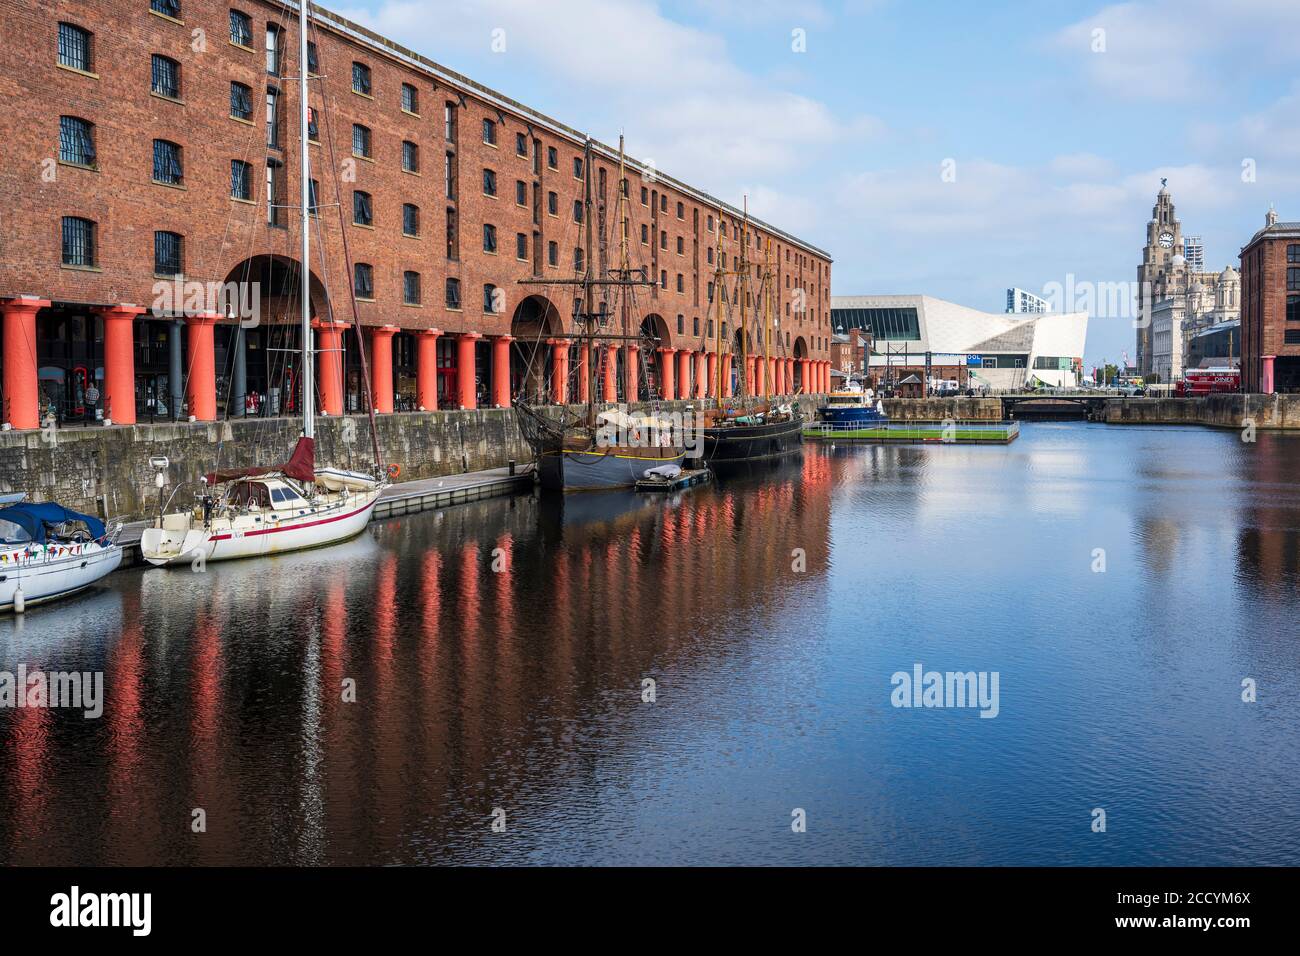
x=1209, y=381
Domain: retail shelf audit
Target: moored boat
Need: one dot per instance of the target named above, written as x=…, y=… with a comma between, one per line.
x=49, y=552
x=754, y=436
x=852, y=407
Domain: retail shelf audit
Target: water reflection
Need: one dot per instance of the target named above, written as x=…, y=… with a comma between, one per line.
x=374, y=702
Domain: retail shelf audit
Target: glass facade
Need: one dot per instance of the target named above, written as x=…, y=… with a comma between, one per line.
x=892, y=325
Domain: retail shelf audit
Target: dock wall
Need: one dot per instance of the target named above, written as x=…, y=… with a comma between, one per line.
x=105, y=470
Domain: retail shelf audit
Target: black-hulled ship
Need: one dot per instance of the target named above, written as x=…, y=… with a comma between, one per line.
x=747, y=427
x=591, y=451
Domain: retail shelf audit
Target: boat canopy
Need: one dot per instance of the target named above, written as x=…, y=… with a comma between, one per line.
x=38, y=519
x=300, y=466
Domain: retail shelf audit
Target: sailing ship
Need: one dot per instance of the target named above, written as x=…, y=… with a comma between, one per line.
x=744, y=428
x=48, y=552
x=591, y=450
x=261, y=510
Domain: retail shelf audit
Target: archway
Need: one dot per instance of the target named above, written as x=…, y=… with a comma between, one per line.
x=534, y=323
x=258, y=342
x=800, y=353
x=655, y=335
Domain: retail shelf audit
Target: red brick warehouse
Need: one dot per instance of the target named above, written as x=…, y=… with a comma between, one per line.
x=156, y=140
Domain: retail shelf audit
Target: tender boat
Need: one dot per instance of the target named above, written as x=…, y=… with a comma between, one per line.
x=851, y=407
x=48, y=552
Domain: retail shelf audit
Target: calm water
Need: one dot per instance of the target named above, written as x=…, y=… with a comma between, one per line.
x=521, y=688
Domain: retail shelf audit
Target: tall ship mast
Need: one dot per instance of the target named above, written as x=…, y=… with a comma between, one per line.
x=600, y=446
x=259, y=510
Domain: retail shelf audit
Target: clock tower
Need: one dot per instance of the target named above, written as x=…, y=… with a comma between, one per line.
x=1164, y=241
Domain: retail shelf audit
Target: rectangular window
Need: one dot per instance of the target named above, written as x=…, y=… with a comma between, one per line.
x=451, y=176
x=76, y=141
x=313, y=59
x=75, y=47
x=552, y=253
x=1293, y=279
x=553, y=204
x=411, y=288
x=449, y=121
x=552, y=158
x=167, y=166
x=1293, y=254
x=241, y=29
x=313, y=124
x=1293, y=308
x=360, y=140
x=166, y=77
x=273, y=50
x=241, y=180
x=1291, y=337
x=274, y=179
x=361, y=79
x=313, y=197
x=453, y=293
x=521, y=246
x=166, y=253
x=453, y=236
x=521, y=193
x=273, y=118
x=78, y=242
x=489, y=132
x=489, y=299
x=577, y=167
x=168, y=8
x=489, y=238
x=681, y=211
x=410, y=157
x=578, y=260
x=364, y=280
x=410, y=98
x=241, y=101
x=521, y=144
x=410, y=219
x=489, y=182
x=362, y=210
x=577, y=210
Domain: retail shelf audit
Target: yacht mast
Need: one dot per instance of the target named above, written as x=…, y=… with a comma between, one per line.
x=308, y=374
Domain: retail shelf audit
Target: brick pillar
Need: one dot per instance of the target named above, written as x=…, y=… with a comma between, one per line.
x=559, y=371
x=201, y=365
x=711, y=386
x=501, y=370
x=727, y=388
x=381, y=368
x=632, y=373
x=426, y=369
x=611, y=373
x=667, y=380
x=584, y=373
x=684, y=374
x=21, y=386
x=465, y=369
x=329, y=366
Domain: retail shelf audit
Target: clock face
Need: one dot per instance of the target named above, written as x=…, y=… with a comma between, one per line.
x=1167, y=239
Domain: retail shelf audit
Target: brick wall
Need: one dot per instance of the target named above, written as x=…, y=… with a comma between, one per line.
x=221, y=232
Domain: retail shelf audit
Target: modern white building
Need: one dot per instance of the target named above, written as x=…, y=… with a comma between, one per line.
x=1000, y=350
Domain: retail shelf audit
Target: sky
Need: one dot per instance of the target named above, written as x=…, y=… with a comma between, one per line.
x=951, y=149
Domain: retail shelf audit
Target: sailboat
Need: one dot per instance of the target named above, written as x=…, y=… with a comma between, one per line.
x=261, y=510
x=48, y=551
x=744, y=428
x=597, y=450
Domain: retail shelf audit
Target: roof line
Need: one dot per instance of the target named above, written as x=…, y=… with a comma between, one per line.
x=368, y=37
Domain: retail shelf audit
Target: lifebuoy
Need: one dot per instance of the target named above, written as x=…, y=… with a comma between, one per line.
x=394, y=470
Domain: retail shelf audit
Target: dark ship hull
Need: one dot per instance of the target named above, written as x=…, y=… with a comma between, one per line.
x=739, y=443
x=596, y=469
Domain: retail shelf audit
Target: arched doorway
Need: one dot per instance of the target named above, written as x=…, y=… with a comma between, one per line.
x=800, y=364
x=655, y=335
x=536, y=320
x=258, y=342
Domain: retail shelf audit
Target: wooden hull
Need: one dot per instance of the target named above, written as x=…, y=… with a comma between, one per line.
x=735, y=444
x=597, y=469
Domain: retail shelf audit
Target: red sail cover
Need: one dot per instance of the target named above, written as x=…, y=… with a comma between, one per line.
x=301, y=466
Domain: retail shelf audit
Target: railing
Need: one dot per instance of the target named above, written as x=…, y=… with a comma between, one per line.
x=950, y=430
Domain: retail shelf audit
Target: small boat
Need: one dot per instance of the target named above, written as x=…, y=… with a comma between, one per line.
x=48, y=552
x=261, y=511
x=851, y=407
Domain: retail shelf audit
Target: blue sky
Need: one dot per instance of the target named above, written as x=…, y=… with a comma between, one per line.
x=1056, y=121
